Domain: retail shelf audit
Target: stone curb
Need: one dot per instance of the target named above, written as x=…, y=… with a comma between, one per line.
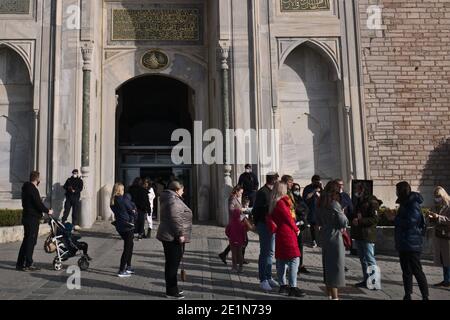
x=13, y=234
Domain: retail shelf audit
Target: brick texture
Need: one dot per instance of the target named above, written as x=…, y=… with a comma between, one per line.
x=406, y=73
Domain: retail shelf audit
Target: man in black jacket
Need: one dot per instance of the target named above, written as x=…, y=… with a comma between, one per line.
x=33, y=210
x=249, y=181
x=139, y=195
x=73, y=187
x=266, y=239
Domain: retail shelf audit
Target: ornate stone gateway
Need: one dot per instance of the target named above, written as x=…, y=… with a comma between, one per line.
x=14, y=6
x=158, y=23
x=304, y=5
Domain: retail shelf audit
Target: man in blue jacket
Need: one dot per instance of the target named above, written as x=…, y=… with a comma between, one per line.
x=410, y=228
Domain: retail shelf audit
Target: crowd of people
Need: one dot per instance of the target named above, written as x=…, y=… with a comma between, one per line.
x=280, y=214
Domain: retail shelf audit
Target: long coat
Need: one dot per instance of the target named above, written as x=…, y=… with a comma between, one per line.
x=442, y=246
x=176, y=218
x=281, y=222
x=332, y=220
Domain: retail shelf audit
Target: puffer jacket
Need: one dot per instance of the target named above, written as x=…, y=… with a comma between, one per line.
x=176, y=218
x=410, y=224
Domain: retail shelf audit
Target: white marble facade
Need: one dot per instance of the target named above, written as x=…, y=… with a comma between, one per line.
x=290, y=70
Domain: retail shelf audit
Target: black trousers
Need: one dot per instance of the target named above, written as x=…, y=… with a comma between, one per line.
x=72, y=202
x=127, y=254
x=140, y=222
x=300, y=246
x=228, y=249
x=31, y=231
x=410, y=263
x=173, y=251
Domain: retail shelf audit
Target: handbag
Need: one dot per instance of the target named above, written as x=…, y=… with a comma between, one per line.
x=49, y=245
x=442, y=232
x=347, y=240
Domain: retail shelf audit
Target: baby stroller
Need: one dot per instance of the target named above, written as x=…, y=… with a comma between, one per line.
x=65, y=244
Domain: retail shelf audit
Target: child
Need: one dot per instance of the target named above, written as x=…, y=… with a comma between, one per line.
x=236, y=232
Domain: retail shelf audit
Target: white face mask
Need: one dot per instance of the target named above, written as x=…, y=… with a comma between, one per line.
x=358, y=194
x=75, y=175
x=297, y=193
x=248, y=170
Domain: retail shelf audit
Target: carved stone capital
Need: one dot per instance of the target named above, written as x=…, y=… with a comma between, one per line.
x=224, y=52
x=86, y=51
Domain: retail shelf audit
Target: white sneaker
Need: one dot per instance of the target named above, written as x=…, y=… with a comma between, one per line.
x=273, y=283
x=265, y=286
x=314, y=244
x=77, y=228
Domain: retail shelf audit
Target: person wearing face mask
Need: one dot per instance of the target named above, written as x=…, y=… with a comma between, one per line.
x=236, y=203
x=364, y=220
x=441, y=239
x=301, y=212
x=33, y=209
x=410, y=229
x=311, y=195
x=73, y=187
x=249, y=181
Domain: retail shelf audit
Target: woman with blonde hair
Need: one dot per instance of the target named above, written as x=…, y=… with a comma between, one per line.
x=287, y=253
x=441, y=241
x=124, y=212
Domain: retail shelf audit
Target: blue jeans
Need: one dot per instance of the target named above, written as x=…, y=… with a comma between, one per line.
x=266, y=250
x=293, y=269
x=366, y=252
x=447, y=274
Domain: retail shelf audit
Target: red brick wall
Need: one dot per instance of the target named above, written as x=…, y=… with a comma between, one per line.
x=406, y=72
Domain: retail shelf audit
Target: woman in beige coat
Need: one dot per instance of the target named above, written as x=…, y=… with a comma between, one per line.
x=441, y=241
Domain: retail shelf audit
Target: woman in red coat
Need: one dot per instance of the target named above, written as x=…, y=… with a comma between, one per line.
x=287, y=253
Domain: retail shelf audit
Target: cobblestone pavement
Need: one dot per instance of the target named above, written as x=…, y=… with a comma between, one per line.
x=208, y=277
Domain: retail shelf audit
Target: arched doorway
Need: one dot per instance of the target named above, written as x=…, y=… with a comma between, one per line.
x=16, y=124
x=149, y=109
x=309, y=120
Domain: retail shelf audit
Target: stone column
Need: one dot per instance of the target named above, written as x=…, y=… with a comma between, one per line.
x=36, y=139
x=224, y=50
x=86, y=199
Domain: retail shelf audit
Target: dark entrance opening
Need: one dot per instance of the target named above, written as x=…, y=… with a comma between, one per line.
x=149, y=109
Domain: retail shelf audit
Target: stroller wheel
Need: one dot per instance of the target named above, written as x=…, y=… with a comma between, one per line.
x=57, y=265
x=83, y=263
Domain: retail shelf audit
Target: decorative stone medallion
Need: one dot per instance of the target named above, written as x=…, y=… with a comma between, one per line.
x=14, y=6
x=305, y=5
x=155, y=60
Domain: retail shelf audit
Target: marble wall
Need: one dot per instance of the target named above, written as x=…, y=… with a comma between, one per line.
x=308, y=116
x=16, y=123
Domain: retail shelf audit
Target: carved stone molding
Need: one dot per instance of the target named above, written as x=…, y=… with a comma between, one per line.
x=25, y=49
x=329, y=47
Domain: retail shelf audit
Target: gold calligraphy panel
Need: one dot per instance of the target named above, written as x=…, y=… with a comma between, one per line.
x=14, y=6
x=158, y=24
x=304, y=5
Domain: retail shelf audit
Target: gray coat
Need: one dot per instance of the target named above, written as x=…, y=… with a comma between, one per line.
x=332, y=220
x=442, y=246
x=176, y=218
